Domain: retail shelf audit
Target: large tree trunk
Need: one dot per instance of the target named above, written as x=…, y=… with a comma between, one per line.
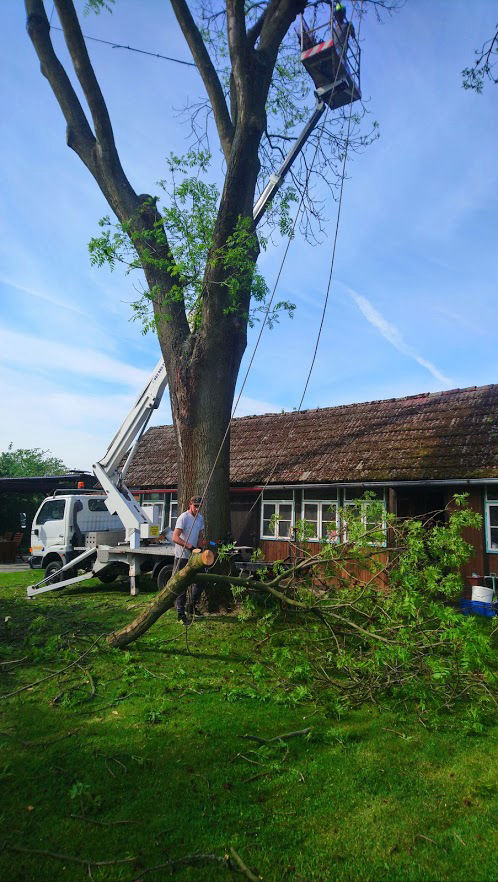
x=202, y=384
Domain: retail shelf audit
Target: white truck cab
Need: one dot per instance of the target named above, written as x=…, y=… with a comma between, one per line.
x=66, y=524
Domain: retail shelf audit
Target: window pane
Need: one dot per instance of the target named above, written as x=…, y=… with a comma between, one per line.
x=359, y=493
x=311, y=512
x=96, y=505
x=329, y=522
x=277, y=494
x=266, y=529
x=284, y=529
x=329, y=531
x=285, y=511
x=353, y=511
x=493, y=515
x=321, y=493
x=373, y=516
x=494, y=537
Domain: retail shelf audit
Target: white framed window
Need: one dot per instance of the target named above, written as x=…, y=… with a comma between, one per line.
x=321, y=516
x=173, y=510
x=153, y=506
x=277, y=515
x=491, y=519
x=367, y=510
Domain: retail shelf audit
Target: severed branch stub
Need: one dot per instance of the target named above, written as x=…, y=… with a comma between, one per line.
x=283, y=737
x=164, y=600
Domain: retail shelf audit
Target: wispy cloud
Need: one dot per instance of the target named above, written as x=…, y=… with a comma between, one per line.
x=393, y=336
x=30, y=353
x=42, y=295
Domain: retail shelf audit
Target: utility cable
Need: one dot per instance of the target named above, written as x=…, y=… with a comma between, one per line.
x=343, y=175
x=131, y=48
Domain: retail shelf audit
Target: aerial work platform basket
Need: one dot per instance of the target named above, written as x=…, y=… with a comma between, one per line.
x=330, y=52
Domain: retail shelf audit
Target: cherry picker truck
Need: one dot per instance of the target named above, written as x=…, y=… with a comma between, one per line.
x=77, y=536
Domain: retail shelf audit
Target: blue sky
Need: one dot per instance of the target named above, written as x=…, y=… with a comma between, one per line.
x=413, y=299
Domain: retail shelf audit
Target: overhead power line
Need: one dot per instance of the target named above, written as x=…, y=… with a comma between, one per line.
x=133, y=49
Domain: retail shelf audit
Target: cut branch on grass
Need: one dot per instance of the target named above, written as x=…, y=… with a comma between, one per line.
x=14, y=661
x=90, y=680
x=96, y=710
x=52, y=739
x=189, y=860
x=54, y=673
x=242, y=866
x=86, y=862
x=99, y=823
x=283, y=737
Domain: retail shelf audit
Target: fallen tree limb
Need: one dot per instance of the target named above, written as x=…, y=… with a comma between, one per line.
x=90, y=862
x=52, y=739
x=188, y=860
x=242, y=867
x=99, y=823
x=205, y=578
x=283, y=737
x=54, y=673
x=164, y=600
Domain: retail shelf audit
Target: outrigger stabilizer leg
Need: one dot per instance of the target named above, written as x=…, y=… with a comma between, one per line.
x=42, y=586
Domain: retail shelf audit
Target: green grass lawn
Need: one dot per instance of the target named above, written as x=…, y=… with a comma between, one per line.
x=140, y=755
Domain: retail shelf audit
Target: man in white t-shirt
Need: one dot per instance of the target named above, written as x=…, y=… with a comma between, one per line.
x=188, y=534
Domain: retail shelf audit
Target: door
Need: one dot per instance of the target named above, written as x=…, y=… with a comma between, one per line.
x=49, y=528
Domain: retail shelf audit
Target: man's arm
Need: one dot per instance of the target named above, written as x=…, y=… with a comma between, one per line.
x=178, y=538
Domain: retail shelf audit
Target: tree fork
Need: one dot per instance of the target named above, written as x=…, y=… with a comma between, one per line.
x=164, y=600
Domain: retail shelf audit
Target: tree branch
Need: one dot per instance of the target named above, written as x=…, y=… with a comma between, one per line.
x=208, y=73
x=279, y=16
x=86, y=76
x=254, y=31
x=106, y=148
x=238, y=48
x=79, y=135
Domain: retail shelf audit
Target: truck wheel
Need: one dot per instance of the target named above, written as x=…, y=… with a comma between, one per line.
x=107, y=576
x=52, y=570
x=163, y=576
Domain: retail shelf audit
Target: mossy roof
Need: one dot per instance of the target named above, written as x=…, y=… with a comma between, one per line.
x=433, y=436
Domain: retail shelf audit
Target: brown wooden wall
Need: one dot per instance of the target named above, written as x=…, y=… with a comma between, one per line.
x=481, y=562
x=414, y=502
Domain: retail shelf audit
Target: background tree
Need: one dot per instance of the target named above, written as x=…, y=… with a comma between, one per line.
x=29, y=463
x=201, y=304
x=17, y=509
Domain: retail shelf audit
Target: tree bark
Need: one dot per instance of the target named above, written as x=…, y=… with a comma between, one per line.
x=164, y=600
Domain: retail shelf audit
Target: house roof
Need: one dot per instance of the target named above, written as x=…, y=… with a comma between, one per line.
x=432, y=436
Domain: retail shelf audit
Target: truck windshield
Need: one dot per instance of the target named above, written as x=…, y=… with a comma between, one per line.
x=52, y=511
